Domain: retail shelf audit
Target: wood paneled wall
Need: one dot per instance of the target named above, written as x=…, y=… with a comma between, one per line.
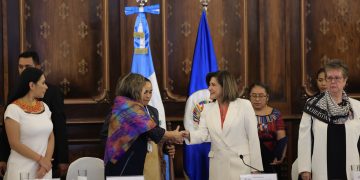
x=86, y=45
x=331, y=29
x=59, y=31
x=2, y=77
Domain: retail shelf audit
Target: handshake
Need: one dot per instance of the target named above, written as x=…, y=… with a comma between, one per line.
x=176, y=136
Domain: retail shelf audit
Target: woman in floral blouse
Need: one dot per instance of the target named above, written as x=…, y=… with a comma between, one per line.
x=271, y=128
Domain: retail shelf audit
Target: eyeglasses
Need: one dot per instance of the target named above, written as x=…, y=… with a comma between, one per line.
x=335, y=78
x=260, y=95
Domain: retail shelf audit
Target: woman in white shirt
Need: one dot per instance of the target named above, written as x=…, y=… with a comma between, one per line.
x=29, y=128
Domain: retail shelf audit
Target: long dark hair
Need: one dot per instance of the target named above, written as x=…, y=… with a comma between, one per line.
x=30, y=74
x=315, y=79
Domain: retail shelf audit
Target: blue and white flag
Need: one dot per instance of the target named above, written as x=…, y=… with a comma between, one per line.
x=142, y=60
x=196, y=161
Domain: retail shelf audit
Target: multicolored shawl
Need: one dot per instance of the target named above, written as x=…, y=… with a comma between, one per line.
x=128, y=120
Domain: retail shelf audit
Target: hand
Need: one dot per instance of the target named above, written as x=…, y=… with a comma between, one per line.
x=2, y=168
x=45, y=163
x=305, y=175
x=185, y=134
x=41, y=172
x=171, y=150
x=177, y=136
x=277, y=162
x=62, y=168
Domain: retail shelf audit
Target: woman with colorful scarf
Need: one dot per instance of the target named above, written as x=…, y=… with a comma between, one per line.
x=130, y=128
x=332, y=118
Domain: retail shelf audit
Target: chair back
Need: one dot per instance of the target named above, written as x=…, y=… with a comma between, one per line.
x=94, y=167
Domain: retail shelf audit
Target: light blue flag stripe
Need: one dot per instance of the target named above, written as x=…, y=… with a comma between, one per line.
x=143, y=64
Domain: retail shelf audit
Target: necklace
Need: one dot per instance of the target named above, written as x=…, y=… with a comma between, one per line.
x=35, y=107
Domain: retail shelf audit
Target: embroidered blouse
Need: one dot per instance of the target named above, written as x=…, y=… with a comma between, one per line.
x=268, y=125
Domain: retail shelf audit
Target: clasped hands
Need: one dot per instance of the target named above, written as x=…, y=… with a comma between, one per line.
x=177, y=137
x=44, y=167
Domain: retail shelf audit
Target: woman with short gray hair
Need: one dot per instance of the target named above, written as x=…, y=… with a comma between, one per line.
x=329, y=129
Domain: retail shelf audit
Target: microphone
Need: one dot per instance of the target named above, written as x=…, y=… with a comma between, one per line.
x=242, y=158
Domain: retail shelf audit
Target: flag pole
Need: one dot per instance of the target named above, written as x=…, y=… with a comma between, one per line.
x=171, y=161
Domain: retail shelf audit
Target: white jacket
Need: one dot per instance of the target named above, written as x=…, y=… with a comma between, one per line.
x=317, y=164
x=239, y=136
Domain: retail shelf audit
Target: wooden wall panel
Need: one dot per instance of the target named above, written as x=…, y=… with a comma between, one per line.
x=331, y=29
x=269, y=39
x=114, y=44
x=84, y=139
x=253, y=40
x=126, y=37
x=11, y=41
x=180, y=31
x=59, y=31
x=2, y=62
x=2, y=78
x=227, y=29
x=77, y=150
x=293, y=9
x=272, y=47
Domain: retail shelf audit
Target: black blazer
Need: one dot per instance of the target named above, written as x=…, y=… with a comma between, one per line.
x=154, y=114
x=54, y=99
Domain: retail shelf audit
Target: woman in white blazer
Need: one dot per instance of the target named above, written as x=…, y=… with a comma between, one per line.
x=230, y=122
x=331, y=122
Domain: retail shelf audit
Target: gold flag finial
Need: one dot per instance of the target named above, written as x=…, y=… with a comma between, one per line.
x=205, y=4
x=142, y=2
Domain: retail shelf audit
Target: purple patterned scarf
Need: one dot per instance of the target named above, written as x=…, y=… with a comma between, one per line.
x=128, y=121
